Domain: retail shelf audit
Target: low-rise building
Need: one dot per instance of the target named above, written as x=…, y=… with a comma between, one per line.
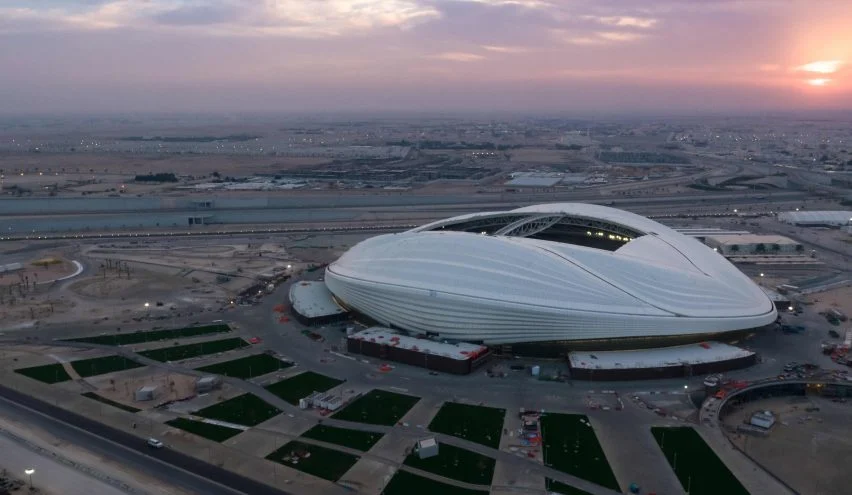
x=750, y=244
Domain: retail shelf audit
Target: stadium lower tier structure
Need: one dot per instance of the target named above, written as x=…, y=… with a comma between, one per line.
x=382, y=343
x=670, y=362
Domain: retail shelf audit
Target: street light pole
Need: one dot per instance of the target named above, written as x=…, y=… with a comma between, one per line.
x=29, y=472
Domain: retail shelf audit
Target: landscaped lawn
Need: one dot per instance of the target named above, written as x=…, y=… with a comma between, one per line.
x=103, y=365
x=153, y=336
x=318, y=461
x=300, y=386
x=377, y=407
x=557, y=487
x=698, y=468
x=112, y=403
x=478, y=424
x=405, y=483
x=246, y=409
x=247, y=367
x=48, y=373
x=455, y=463
x=354, y=439
x=181, y=352
x=571, y=446
x=217, y=433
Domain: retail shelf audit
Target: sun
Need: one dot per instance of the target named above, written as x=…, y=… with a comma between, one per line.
x=822, y=66
x=818, y=82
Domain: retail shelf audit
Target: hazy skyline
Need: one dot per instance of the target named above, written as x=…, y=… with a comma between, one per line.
x=613, y=56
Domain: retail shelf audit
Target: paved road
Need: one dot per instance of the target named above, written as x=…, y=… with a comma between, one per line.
x=126, y=449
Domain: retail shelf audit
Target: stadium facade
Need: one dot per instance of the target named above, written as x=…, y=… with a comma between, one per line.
x=555, y=273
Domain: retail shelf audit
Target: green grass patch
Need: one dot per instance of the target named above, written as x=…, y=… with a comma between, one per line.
x=153, y=336
x=378, y=407
x=246, y=410
x=318, y=461
x=571, y=446
x=48, y=373
x=181, y=352
x=103, y=365
x=300, y=386
x=354, y=439
x=698, y=467
x=217, y=433
x=112, y=403
x=457, y=464
x=557, y=487
x=247, y=367
x=405, y=483
x=478, y=424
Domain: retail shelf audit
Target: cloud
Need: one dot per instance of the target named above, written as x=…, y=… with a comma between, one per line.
x=504, y=49
x=597, y=37
x=296, y=18
x=623, y=21
x=458, y=57
x=529, y=4
x=821, y=67
x=619, y=36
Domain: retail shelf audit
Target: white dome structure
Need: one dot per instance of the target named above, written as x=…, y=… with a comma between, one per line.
x=547, y=273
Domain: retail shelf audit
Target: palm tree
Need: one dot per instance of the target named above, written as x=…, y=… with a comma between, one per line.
x=760, y=248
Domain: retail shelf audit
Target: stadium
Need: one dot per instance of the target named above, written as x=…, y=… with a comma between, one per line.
x=570, y=274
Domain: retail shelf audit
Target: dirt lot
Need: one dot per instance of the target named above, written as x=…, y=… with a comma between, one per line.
x=121, y=387
x=810, y=450
x=74, y=173
x=840, y=298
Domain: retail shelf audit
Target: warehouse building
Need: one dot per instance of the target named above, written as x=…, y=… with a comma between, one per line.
x=747, y=244
x=833, y=219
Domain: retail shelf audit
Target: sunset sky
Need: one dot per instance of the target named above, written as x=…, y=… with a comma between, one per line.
x=609, y=56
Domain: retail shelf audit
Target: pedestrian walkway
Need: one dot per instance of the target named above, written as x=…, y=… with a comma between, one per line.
x=633, y=454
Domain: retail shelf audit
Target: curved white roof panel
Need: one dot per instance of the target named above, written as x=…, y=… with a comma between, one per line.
x=508, y=289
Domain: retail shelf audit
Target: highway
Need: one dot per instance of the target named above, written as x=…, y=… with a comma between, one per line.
x=342, y=218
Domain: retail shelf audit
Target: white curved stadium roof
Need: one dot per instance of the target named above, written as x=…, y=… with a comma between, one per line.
x=512, y=287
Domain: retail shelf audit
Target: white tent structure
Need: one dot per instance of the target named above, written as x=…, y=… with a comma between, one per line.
x=817, y=218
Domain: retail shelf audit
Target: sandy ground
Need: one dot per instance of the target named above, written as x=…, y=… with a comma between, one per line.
x=122, y=277
x=810, y=450
x=74, y=173
x=840, y=298
x=121, y=387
